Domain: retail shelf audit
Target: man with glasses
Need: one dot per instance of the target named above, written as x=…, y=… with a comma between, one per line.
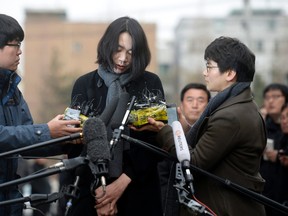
x=16, y=124
x=275, y=95
x=229, y=137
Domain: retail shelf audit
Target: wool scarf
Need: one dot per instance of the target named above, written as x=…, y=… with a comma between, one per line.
x=213, y=104
x=115, y=82
x=116, y=85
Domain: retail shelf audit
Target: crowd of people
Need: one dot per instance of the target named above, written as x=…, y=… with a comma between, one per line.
x=273, y=169
x=228, y=135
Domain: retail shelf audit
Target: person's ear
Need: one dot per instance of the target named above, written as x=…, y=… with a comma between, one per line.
x=231, y=75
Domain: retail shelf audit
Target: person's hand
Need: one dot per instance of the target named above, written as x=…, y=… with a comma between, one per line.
x=182, y=119
x=283, y=158
x=107, y=210
x=107, y=203
x=78, y=141
x=271, y=154
x=152, y=125
x=59, y=127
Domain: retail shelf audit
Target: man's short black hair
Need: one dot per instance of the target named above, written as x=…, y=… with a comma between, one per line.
x=195, y=86
x=277, y=86
x=9, y=30
x=231, y=54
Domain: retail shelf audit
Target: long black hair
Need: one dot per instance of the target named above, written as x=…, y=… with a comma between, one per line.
x=109, y=43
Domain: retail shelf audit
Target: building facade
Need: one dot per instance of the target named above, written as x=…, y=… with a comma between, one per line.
x=264, y=31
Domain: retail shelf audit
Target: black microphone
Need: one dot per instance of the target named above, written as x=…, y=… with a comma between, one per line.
x=121, y=116
x=69, y=164
x=42, y=144
x=182, y=151
x=98, y=152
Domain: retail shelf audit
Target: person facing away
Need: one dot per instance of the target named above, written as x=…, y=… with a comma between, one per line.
x=229, y=137
x=193, y=97
x=122, y=55
x=275, y=95
x=16, y=124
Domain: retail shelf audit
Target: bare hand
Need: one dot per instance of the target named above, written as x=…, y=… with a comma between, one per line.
x=152, y=125
x=182, y=120
x=283, y=158
x=107, y=210
x=271, y=154
x=113, y=192
x=59, y=127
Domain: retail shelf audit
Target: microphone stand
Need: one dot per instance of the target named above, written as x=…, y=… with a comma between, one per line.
x=244, y=191
x=30, y=177
x=73, y=192
x=42, y=144
x=35, y=199
x=193, y=206
x=53, y=171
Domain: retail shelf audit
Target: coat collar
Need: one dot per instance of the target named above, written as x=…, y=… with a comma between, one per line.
x=243, y=97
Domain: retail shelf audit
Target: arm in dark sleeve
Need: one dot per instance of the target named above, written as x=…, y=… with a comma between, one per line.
x=166, y=140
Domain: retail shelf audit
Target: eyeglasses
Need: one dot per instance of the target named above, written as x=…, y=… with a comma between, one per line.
x=274, y=97
x=18, y=45
x=209, y=67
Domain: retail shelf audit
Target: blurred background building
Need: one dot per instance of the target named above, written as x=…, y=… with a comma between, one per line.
x=265, y=32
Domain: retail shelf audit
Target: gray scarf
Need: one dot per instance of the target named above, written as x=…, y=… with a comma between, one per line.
x=115, y=82
x=213, y=104
x=116, y=85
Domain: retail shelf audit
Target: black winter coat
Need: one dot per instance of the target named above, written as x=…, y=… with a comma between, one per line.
x=142, y=196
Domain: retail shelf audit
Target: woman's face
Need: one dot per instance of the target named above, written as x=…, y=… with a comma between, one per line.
x=122, y=58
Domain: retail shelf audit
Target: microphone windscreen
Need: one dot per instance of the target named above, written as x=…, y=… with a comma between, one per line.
x=120, y=111
x=109, y=110
x=95, y=137
x=180, y=141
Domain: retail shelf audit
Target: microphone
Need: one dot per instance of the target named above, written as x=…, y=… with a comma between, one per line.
x=98, y=152
x=42, y=144
x=120, y=116
x=182, y=151
x=69, y=164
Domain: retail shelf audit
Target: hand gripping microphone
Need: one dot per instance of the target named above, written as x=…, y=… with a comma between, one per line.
x=98, y=151
x=182, y=151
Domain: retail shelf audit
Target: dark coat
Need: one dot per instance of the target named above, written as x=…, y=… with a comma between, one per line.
x=272, y=171
x=142, y=196
x=230, y=144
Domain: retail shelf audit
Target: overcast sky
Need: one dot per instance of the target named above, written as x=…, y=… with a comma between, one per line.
x=165, y=13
